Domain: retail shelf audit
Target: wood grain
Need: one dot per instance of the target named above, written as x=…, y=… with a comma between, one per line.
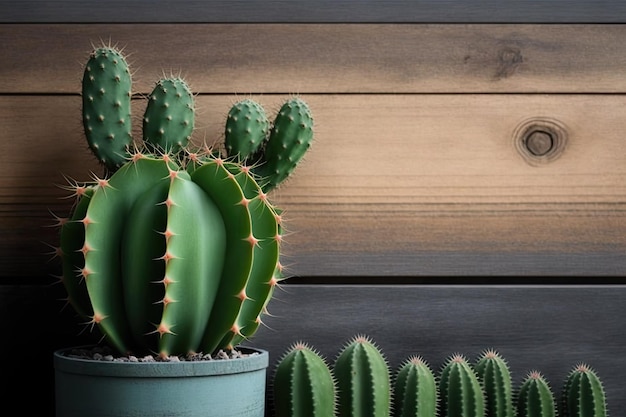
x=395, y=185
x=317, y=58
x=398, y=11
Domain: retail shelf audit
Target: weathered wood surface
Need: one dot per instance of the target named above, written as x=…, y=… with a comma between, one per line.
x=398, y=11
x=319, y=58
x=395, y=185
x=549, y=328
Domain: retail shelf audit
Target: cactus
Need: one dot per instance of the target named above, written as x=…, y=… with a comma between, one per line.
x=303, y=384
x=415, y=389
x=363, y=380
x=495, y=376
x=535, y=398
x=583, y=394
x=175, y=250
x=460, y=390
x=106, y=94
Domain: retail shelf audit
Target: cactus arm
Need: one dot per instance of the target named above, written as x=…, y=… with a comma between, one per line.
x=169, y=116
x=104, y=224
x=535, y=398
x=303, y=385
x=106, y=97
x=220, y=185
x=290, y=137
x=72, y=244
x=363, y=380
x=246, y=130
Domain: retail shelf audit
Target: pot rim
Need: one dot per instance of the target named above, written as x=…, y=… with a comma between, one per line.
x=257, y=359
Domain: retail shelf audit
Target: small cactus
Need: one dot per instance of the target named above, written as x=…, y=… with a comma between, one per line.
x=583, y=394
x=415, y=390
x=460, y=390
x=535, y=398
x=303, y=384
x=247, y=128
x=493, y=372
x=363, y=380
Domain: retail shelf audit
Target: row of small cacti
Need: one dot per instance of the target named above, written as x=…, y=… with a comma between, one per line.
x=361, y=384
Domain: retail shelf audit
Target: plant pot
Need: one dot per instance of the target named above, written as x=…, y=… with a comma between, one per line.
x=217, y=388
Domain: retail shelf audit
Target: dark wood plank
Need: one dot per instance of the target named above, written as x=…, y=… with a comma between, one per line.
x=314, y=58
x=451, y=11
x=549, y=328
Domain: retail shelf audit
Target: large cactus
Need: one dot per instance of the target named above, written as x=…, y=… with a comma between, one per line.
x=495, y=376
x=460, y=389
x=583, y=394
x=363, y=380
x=535, y=397
x=175, y=250
x=415, y=391
x=303, y=384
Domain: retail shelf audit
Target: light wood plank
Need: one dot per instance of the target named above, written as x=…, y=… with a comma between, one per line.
x=395, y=185
x=451, y=11
x=318, y=58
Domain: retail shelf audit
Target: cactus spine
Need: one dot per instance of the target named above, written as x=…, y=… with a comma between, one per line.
x=583, y=394
x=363, y=380
x=495, y=376
x=106, y=94
x=303, y=384
x=176, y=250
x=415, y=390
x=535, y=398
x=460, y=390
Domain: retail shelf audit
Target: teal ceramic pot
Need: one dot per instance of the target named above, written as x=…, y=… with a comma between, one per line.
x=217, y=388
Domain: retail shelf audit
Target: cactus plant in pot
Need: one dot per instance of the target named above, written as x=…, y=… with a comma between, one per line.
x=173, y=254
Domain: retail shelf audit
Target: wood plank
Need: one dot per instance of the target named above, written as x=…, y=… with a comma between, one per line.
x=405, y=11
x=549, y=328
x=331, y=58
x=395, y=185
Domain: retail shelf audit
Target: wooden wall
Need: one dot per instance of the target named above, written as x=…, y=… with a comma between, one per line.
x=421, y=216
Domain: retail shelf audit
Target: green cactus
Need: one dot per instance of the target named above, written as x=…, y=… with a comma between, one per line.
x=175, y=250
x=495, y=376
x=583, y=394
x=415, y=389
x=535, y=398
x=303, y=384
x=169, y=117
x=290, y=137
x=106, y=95
x=460, y=390
x=363, y=380
x=247, y=127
